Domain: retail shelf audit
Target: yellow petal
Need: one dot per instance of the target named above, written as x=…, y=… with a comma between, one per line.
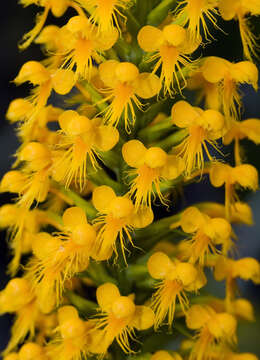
x=183, y=114
x=191, y=219
x=147, y=85
x=228, y=8
x=142, y=218
x=63, y=81
x=134, y=153
x=106, y=40
x=143, y=318
x=106, y=295
x=107, y=72
x=159, y=264
x=150, y=38
x=246, y=175
x=102, y=197
x=218, y=174
x=251, y=128
x=73, y=217
x=106, y=138
x=174, y=167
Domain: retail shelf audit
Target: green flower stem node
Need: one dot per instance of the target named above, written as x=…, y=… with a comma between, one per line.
x=53, y=216
x=168, y=185
x=100, y=177
x=172, y=140
x=155, y=132
x=98, y=274
x=158, y=14
x=136, y=272
x=96, y=98
x=84, y=306
x=157, y=227
x=111, y=159
x=132, y=23
x=80, y=202
x=149, y=115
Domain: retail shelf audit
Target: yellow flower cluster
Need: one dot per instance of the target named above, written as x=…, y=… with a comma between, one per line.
x=101, y=270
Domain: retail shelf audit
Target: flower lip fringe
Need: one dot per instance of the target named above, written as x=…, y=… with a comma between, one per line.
x=102, y=272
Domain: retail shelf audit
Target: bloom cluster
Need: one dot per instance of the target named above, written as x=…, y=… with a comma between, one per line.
x=107, y=139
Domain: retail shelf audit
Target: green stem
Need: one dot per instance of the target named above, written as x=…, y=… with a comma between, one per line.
x=136, y=272
x=182, y=330
x=100, y=177
x=159, y=13
x=111, y=159
x=53, y=216
x=168, y=185
x=112, y=55
x=80, y=202
x=123, y=49
x=96, y=98
x=158, y=227
x=132, y=23
x=98, y=273
x=155, y=132
x=150, y=114
x=172, y=140
x=84, y=306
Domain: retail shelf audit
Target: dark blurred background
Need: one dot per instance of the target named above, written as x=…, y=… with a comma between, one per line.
x=14, y=22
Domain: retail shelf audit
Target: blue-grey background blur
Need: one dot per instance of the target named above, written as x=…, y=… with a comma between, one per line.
x=14, y=22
